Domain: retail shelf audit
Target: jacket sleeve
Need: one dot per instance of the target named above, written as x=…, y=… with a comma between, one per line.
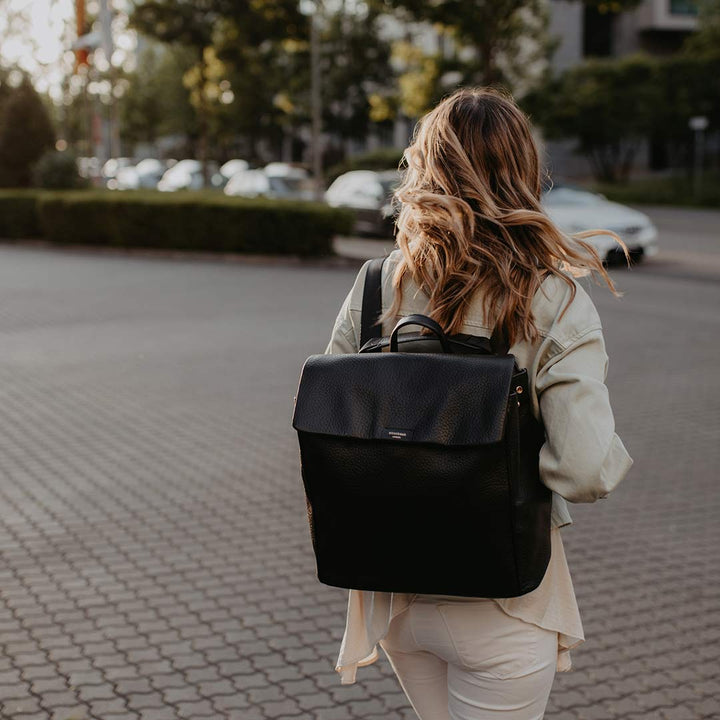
x=346, y=331
x=582, y=458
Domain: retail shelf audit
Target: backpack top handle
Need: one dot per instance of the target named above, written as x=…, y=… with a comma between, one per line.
x=372, y=307
x=424, y=321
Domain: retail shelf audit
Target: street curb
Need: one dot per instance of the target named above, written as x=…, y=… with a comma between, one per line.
x=194, y=255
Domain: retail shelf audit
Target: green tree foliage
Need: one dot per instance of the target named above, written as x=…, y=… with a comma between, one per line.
x=193, y=24
x=271, y=81
x=612, y=6
x=508, y=36
x=608, y=105
x=355, y=66
x=685, y=92
x=156, y=102
x=611, y=104
x=419, y=86
x=269, y=84
x=58, y=171
x=706, y=40
x=256, y=77
x=26, y=132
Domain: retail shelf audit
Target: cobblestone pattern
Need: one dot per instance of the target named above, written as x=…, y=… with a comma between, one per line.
x=156, y=556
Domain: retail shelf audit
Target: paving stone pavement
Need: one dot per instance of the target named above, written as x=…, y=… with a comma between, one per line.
x=156, y=559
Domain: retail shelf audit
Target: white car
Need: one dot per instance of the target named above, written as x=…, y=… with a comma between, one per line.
x=113, y=166
x=368, y=194
x=286, y=170
x=146, y=174
x=261, y=183
x=184, y=175
x=574, y=209
x=231, y=167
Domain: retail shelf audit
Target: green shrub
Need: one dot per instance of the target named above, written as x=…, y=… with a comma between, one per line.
x=675, y=190
x=58, y=171
x=189, y=221
x=26, y=132
x=18, y=214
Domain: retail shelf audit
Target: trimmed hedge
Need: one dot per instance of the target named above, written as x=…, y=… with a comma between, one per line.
x=674, y=190
x=18, y=214
x=179, y=221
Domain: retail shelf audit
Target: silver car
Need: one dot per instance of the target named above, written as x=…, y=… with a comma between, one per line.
x=145, y=175
x=185, y=175
x=368, y=193
x=574, y=209
x=262, y=182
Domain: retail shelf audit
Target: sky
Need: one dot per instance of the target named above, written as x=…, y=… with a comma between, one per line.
x=36, y=35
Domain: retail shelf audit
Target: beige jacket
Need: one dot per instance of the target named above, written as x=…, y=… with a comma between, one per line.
x=582, y=459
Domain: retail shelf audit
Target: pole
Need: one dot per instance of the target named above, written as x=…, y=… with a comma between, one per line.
x=698, y=124
x=108, y=46
x=203, y=119
x=87, y=115
x=316, y=108
x=699, y=152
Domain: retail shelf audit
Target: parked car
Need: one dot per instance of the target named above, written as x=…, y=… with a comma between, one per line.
x=274, y=183
x=574, y=209
x=227, y=170
x=368, y=193
x=89, y=167
x=113, y=166
x=145, y=175
x=283, y=169
x=185, y=175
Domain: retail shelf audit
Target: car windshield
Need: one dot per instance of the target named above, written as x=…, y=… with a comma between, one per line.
x=285, y=185
x=388, y=185
x=149, y=166
x=570, y=196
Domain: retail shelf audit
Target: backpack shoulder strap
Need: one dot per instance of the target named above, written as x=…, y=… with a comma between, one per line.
x=372, y=307
x=371, y=302
x=498, y=341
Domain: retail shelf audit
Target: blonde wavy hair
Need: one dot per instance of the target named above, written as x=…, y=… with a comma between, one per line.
x=468, y=216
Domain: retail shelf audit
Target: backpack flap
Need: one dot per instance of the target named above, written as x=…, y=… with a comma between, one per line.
x=445, y=399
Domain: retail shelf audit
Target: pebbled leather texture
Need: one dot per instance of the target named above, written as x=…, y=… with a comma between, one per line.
x=435, y=398
x=409, y=457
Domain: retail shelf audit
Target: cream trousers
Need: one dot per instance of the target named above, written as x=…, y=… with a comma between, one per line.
x=470, y=661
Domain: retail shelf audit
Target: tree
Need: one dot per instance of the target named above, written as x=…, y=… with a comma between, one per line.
x=271, y=81
x=192, y=23
x=506, y=35
x=612, y=6
x=608, y=105
x=706, y=40
x=355, y=65
x=26, y=132
x=685, y=92
x=156, y=102
x=419, y=82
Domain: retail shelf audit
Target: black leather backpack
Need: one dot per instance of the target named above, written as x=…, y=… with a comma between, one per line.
x=419, y=459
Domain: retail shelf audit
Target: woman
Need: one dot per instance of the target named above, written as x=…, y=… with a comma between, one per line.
x=476, y=250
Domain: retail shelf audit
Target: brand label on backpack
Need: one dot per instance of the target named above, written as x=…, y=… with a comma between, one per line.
x=398, y=433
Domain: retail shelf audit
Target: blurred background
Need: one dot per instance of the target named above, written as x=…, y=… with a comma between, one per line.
x=284, y=100
x=187, y=190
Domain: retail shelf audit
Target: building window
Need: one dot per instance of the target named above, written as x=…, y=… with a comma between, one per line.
x=683, y=7
x=597, y=32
